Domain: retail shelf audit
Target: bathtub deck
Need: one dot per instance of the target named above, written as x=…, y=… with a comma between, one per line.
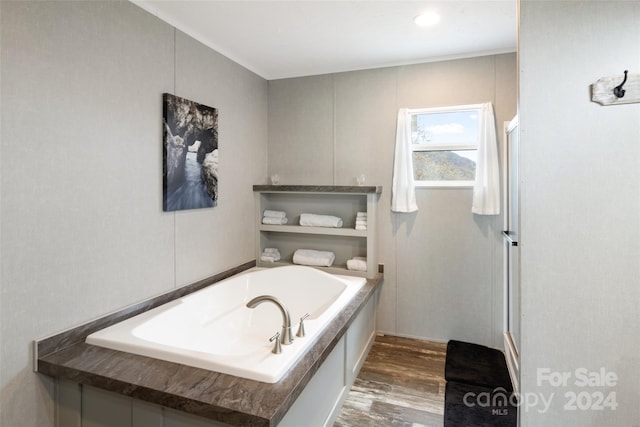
x=401, y=383
x=208, y=394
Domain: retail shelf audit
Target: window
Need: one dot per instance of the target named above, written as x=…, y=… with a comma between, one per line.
x=444, y=145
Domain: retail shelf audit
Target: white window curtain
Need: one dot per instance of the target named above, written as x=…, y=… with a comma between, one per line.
x=486, y=191
x=403, y=191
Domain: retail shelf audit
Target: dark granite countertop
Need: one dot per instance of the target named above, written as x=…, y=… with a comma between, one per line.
x=225, y=398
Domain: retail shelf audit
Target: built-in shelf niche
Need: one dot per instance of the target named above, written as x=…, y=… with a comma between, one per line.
x=341, y=201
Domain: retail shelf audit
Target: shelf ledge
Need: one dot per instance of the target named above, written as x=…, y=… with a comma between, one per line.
x=353, y=189
x=334, y=269
x=350, y=232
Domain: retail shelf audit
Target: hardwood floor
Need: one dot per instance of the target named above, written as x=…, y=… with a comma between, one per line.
x=401, y=383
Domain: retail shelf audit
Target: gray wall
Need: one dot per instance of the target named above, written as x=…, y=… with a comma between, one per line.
x=83, y=232
x=580, y=216
x=443, y=265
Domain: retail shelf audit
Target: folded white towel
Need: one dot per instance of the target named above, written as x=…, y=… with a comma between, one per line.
x=274, y=221
x=313, y=257
x=357, y=263
x=313, y=220
x=270, y=254
x=361, y=215
x=274, y=214
x=361, y=222
x=361, y=227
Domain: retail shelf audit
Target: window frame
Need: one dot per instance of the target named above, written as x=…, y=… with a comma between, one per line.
x=462, y=146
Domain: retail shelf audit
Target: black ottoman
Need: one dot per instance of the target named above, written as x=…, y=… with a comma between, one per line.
x=476, y=364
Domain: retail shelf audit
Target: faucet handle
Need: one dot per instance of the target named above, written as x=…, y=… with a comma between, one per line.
x=301, y=332
x=277, y=348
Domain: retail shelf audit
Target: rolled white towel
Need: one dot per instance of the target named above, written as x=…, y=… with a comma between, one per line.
x=313, y=257
x=313, y=220
x=271, y=220
x=274, y=214
x=357, y=263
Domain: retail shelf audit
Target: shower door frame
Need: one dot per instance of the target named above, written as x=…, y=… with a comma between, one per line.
x=511, y=276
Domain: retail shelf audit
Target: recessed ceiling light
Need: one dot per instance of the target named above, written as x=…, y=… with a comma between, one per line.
x=426, y=19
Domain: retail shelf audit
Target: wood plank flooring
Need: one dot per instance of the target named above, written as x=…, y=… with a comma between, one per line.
x=401, y=383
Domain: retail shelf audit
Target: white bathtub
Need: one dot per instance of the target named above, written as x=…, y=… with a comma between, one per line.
x=213, y=329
